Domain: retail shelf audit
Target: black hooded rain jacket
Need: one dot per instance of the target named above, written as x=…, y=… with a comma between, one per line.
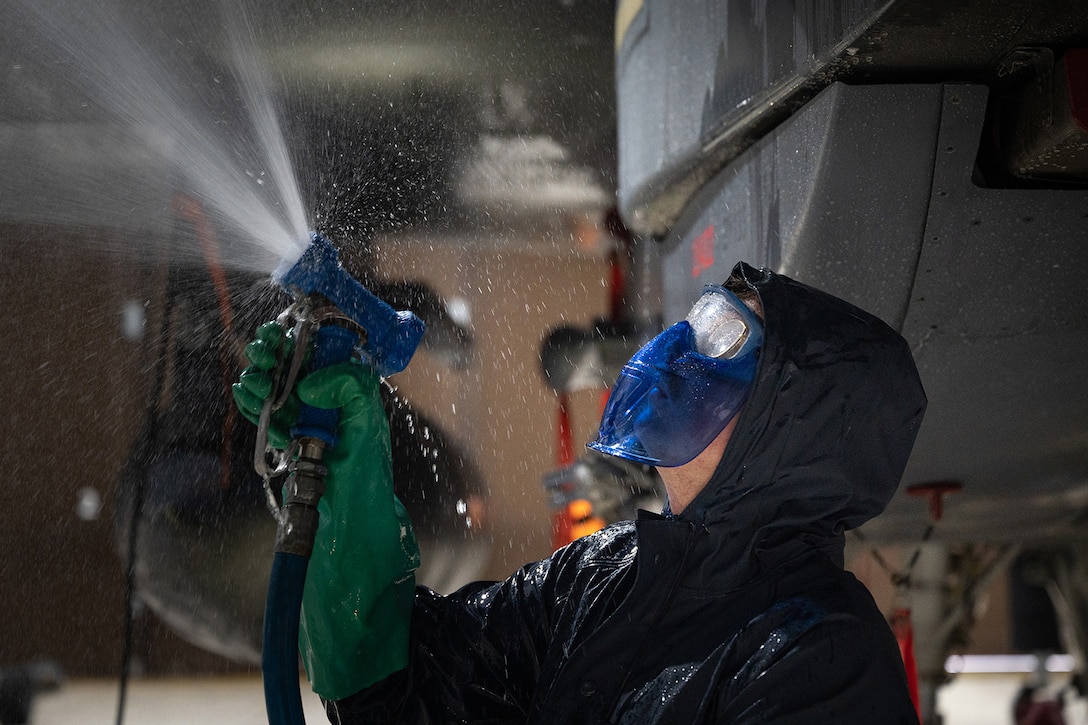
x=737, y=610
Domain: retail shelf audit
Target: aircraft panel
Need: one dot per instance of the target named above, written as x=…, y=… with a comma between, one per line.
x=999, y=326
x=871, y=193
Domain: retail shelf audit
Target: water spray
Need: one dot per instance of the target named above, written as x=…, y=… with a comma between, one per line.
x=333, y=317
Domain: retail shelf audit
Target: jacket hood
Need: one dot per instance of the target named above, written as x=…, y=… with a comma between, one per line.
x=822, y=442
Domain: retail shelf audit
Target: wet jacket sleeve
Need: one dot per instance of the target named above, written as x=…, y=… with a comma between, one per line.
x=842, y=671
x=476, y=655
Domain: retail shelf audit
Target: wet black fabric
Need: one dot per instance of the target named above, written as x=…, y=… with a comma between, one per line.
x=735, y=611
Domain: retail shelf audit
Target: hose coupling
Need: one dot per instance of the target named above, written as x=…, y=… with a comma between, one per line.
x=304, y=488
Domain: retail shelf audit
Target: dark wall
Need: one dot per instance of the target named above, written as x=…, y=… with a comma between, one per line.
x=74, y=397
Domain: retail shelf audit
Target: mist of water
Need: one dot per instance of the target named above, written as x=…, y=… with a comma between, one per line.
x=153, y=118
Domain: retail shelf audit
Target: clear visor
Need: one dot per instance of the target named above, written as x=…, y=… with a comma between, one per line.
x=678, y=392
x=722, y=324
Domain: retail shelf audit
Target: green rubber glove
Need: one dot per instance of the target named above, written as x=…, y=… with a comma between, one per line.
x=357, y=602
x=255, y=383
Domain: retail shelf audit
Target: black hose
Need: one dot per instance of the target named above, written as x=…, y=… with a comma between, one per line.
x=279, y=651
x=130, y=596
x=142, y=457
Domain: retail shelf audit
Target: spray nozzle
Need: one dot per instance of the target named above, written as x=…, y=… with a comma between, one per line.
x=391, y=336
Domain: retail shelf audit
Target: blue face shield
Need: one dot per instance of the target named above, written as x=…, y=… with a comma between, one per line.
x=683, y=387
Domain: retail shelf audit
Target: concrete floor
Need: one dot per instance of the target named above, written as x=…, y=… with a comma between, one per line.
x=986, y=699
x=236, y=700
x=971, y=699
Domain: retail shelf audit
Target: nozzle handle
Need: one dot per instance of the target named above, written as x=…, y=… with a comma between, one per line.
x=391, y=336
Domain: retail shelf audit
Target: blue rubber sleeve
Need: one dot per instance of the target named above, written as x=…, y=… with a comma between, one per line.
x=332, y=344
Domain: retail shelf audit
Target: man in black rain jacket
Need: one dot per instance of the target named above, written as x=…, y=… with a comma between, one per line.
x=733, y=608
